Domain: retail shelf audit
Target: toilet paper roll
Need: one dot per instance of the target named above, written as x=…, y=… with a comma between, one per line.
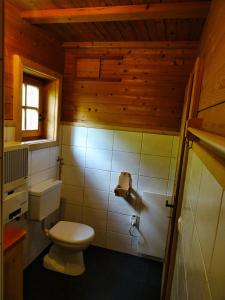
x=123, y=188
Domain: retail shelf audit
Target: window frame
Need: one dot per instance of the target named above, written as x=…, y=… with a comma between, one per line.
x=33, y=134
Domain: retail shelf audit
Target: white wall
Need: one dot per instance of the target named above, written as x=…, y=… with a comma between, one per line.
x=93, y=160
x=200, y=264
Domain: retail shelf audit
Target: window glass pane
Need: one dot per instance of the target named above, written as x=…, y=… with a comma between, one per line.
x=32, y=96
x=23, y=119
x=31, y=119
x=24, y=95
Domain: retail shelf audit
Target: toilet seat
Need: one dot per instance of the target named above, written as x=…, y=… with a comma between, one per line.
x=71, y=233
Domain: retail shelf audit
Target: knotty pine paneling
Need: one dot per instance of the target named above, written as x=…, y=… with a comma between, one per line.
x=30, y=42
x=136, y=88
x=212, y=99
x=141, y=30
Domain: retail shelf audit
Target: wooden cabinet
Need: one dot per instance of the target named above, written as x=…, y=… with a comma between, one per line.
x=13, y=263
x=13, y=272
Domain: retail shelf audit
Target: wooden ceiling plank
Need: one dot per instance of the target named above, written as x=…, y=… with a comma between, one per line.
x=134, y=44
x=119, y=13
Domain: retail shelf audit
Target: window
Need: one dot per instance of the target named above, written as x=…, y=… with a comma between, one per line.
x=36, y=103
x=31, y=108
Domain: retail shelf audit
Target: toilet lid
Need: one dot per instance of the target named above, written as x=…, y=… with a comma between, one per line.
x=71, y=232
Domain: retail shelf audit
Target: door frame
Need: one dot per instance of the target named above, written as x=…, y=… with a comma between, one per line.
x=189, y=118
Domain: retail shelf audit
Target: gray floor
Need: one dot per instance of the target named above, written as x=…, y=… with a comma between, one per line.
x=109, y=275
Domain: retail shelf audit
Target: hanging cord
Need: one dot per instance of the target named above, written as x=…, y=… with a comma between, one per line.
x=134, y=225
x=131, y=230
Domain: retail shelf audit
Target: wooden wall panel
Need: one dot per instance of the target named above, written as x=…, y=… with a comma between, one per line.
x=138, y=88
x=30, y=42
x=212, y=99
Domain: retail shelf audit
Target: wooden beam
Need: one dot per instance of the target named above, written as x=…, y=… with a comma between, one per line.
x=134, y=44
x=180, y=10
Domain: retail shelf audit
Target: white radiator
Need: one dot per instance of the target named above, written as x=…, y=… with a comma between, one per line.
x=15, y=172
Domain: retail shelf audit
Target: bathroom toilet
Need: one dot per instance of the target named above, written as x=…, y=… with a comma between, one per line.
x=69, y=238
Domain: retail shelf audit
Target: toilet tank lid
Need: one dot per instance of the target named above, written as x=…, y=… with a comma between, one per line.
x=43, y=187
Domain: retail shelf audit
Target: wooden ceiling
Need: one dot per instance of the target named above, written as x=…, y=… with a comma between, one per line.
x=141, y=30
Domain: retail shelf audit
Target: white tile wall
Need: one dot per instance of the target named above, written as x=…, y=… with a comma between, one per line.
x=74, y=155
x=98, y=159
x=155, y=145
x=43, y=164
x=100, y=139
x=127, y=141
x=125, y=161
x=93, y=160
x=72, y=175
x=203, y=244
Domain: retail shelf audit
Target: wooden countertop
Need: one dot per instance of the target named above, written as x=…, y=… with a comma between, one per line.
x=12, y=235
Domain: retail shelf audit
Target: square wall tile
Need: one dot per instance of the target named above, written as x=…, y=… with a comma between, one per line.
x=182, y=285
x=60, y=134
x=53, y=173
x=100, y=138
x=54, y=154
x=100, y=238
x=194, y=180
x=40, y=160
x=121, y=205
x=125, y=162
x=29, y=162
x=118, y=223
x=175, y=148
x=38, y=177
x=207, y=214
x=73, y=175
x=171, y=188
x=96, y=199
x=72, y=194
x=127, y=141
x=97, y=179
x=95, y=218
x=197, y=282
x=173, y=168
x=71, y=212
x=98, y=159
x=119, y=242
x=152, y=185
x=157, y=144
x=115, y=180
x=76, y=136
x=73, y=155
x=155, y=166
x=187, y=228
x=217, y=268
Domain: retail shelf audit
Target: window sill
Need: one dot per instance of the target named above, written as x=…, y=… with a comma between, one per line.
x=40, y=144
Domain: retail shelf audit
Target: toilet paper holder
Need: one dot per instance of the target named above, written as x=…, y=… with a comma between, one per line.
x=123, y=189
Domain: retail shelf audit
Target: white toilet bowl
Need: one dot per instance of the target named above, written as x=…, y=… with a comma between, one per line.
x=69, y=240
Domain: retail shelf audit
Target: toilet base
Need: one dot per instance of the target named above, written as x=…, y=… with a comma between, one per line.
x=63, y=260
